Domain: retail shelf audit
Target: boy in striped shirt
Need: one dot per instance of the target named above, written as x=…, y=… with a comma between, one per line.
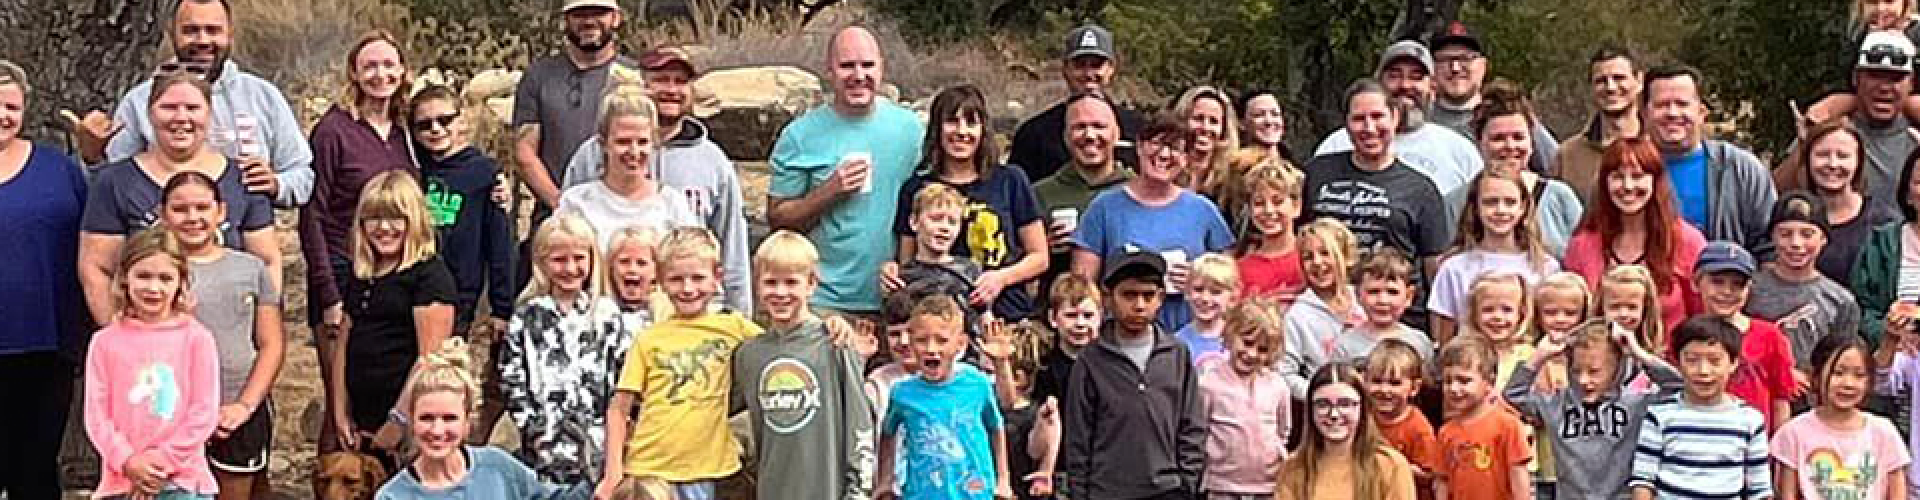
x=1706, y=444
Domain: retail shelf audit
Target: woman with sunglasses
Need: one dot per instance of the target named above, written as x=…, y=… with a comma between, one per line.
x=1341, y=455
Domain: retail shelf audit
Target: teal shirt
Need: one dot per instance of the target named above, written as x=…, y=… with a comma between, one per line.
x=855, y=235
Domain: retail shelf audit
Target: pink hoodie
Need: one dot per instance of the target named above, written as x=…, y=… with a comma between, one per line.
x=153, y=386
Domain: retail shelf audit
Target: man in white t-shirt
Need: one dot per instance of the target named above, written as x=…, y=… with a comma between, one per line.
x=1448, y=158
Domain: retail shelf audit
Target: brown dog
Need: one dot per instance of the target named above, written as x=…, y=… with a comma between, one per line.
x=347, y=475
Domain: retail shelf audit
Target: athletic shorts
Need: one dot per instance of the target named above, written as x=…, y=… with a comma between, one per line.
x=245, y=451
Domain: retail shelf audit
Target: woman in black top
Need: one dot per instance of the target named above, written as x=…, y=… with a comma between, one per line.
x=399, y=304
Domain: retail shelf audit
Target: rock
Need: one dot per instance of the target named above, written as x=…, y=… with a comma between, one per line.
x=492, y=83
x=746, y=107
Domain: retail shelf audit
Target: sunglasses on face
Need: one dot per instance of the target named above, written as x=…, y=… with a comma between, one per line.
x=1885, y=54
x=442, y=121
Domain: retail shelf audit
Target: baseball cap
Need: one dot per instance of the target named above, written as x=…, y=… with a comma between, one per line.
x=582, y=4
x=1724, y=256
x=661, y=57
x=1090, y=39
x=1135, y=264
x=1886, y=50
x=1456, y=33
x=1411, y=49
x=1798, y=206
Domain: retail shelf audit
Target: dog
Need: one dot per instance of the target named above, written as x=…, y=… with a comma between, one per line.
x=347, y=475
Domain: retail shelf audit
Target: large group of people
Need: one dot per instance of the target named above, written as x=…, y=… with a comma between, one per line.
x=1121, y=306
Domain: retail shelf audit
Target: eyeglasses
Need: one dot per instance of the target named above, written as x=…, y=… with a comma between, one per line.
x=442, y=121
x=1325, y=405
x=573, y=89
x=1461, y=59
x=389, y=223
x=1885, y=54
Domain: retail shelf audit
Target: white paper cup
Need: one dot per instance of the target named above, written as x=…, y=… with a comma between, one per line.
x=866, y=184
x=1066, y=218
x=1175, y=257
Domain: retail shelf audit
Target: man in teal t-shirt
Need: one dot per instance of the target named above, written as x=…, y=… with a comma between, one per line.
x=837, y=173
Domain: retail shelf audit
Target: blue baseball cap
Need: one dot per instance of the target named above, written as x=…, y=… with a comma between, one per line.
x=1724, y=256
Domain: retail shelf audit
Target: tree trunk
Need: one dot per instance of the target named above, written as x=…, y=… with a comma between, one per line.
x=80, y=54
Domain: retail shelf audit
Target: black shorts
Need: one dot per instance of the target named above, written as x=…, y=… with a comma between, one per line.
x=246, y=450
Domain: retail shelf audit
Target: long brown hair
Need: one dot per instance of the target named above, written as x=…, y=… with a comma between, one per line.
x=1797, y=172
x=1298, y=472
x=1660, y=214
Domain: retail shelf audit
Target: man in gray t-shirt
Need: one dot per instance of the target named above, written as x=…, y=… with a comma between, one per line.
x=228, y=292
x=557, y=103
x=1882, y=87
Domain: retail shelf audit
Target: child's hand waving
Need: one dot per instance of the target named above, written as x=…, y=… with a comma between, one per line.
x=995, y=341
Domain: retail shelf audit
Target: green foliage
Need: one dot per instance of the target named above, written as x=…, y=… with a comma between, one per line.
x=1544, y=45
x=1758, y=54
x=928, y=22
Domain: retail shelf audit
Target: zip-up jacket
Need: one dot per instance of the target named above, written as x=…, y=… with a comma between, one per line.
x=1133, y=433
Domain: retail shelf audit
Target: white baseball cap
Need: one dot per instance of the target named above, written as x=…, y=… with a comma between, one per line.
x=1887, y=51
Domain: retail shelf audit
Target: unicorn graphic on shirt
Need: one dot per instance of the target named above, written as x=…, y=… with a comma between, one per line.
x=157, y=389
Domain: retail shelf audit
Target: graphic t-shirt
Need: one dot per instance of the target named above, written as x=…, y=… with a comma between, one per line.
x=1837, y=464
x=681, y=371
x=1413, y=437
x=945, y=434
x=1277, y=277
x=1206, y=348
x=1396, y=206
x=998, y=205
x=1689, y=175
x=1478, y=454
x=804, y=398
x=1116, y=223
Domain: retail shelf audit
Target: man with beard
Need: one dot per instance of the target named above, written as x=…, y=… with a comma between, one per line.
x=1723, y=190
x=1615, y=80
x=1088, y=69
x=837, y=173
x=1445, y=156
x=1379, y=196
x=1460, y=69
x=688, y=161
x=251, y=123
x=1882, y=79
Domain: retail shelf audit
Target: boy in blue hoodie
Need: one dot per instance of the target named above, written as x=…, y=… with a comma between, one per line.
x=476, y=237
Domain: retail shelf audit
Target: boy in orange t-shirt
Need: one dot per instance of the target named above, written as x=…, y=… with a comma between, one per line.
x=1393, y=377
x=1483, y=446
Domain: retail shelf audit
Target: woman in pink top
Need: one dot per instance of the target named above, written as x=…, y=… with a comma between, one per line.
x=1247, y=404
x=1638, y=223
x=152, y=381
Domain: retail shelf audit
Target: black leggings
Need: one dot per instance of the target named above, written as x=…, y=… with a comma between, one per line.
x=38, y=387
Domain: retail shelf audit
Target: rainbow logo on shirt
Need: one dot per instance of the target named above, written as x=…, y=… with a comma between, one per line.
x=789, y=395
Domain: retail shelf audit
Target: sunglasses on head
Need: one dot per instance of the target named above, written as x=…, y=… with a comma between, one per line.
x=443, y=121
x=177, y=66
x=1885, y=54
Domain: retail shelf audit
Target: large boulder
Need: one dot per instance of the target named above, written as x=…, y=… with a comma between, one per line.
x=746, y=107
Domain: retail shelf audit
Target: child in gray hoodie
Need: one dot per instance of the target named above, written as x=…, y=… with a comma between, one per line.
x=1595, y=420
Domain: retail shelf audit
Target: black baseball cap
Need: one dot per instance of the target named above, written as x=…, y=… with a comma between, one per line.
x=1089, y=40
x=1135, y=264
x=1456, y=33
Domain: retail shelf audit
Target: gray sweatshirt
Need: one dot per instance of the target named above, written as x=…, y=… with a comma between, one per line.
x=1594, y=443
x=1740, y=197
x=812, y=425
x=693, y=164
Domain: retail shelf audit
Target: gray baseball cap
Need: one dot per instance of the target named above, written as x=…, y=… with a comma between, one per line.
x=1090, y=39
x=1410, y=49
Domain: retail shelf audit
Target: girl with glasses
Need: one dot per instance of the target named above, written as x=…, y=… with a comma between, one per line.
x=1341, y=456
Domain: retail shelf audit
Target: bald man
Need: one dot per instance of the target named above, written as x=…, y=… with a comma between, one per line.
x=837, y=173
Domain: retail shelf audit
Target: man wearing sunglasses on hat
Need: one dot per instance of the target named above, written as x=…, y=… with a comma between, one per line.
x=1882, y=80
x=251, y=118
x=688, y=160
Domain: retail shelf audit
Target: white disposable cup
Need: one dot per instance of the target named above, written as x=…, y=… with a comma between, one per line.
x=866, y=183
x=1066, y=218
x=1175, y=258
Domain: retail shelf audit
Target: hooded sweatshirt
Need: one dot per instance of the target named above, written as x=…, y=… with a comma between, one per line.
x=1133, y=432
x=1740, y=196
x=152, y=387
x=694, y=165
x=1600, y=435
x=476, y=236
x=810, y=417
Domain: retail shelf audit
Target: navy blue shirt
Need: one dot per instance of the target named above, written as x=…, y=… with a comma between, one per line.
x=998, y=204
x=40, y=216
x=125, y=200
x=476, y=236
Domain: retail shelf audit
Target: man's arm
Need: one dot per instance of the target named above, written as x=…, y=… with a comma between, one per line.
x=801, y=213
x=292, y=156
x=533, y=172
x=729, y=222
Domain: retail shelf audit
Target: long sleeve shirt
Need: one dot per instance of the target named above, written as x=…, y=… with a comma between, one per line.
x=346, y=154
x=558, y=366
x=152, y=387
x=1248, y=418
x=1695, y=451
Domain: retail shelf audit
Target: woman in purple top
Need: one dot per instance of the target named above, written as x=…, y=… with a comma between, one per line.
x=41, y=194
x=360, y=136
x=125, y=196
